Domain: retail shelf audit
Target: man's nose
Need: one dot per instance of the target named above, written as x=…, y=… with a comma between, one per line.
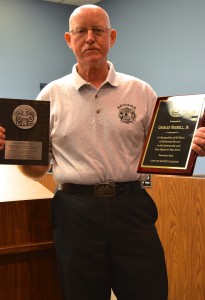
x=90, y=34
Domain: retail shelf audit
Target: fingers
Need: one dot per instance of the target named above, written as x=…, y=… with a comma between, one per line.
x=2, y=138
x=198, y=149
x=199, y=142
x=200, y=131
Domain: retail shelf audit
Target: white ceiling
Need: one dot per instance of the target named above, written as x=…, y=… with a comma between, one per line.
x=74, y=2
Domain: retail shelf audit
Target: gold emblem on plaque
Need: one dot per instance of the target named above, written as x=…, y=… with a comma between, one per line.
x=176, y=112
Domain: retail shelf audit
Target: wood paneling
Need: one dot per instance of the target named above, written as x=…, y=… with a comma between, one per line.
x=29, y=276
x=24, y=222
x=28, y=268
x=48, y=182
x=181, y=227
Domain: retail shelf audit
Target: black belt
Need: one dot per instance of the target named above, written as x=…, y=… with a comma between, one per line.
x=107, y=189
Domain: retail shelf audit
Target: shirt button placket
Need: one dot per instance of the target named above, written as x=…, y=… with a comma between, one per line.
x=98, y=110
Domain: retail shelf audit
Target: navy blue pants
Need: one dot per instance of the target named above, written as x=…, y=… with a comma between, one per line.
x=108, y=243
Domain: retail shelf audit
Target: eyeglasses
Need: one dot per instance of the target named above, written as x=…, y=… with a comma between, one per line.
x=82, y=31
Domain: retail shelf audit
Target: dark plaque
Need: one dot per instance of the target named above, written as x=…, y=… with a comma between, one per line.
x=167, y=148
x=27, y=131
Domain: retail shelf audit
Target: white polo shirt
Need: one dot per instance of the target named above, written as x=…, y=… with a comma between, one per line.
x=98, y=134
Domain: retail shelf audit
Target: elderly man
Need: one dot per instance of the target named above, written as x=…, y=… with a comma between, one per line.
x=103, y=220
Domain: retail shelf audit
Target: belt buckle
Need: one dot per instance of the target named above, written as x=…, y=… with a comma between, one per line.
x=106, y=189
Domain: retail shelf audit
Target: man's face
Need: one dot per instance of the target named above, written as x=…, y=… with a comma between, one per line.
x=90, y=48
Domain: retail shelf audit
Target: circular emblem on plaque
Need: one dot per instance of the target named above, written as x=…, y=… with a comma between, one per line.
x=176, y=112
x=127, y=114
x=24, y=116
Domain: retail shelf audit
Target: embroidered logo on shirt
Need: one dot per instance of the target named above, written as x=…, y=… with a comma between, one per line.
x=127, y=113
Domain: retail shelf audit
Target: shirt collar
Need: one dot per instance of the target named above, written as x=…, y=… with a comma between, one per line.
x=112, y=78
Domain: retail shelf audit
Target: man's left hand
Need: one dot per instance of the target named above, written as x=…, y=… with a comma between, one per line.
x=198, y=144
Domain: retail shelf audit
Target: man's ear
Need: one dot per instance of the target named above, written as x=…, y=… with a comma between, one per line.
x=113, y=36
x=67, y=38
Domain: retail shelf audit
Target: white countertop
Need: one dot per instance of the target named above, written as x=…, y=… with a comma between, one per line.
x=16, y=186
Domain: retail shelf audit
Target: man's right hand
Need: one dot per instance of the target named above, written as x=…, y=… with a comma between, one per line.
x=2, y=137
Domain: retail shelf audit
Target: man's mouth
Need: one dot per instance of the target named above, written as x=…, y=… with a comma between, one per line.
x=91, y=49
